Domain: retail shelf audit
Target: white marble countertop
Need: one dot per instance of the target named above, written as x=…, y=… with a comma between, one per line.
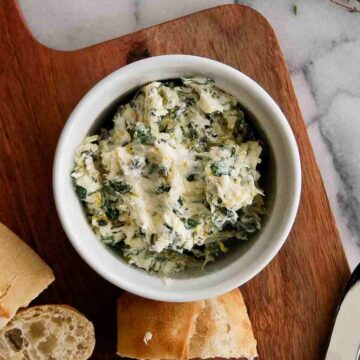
x=322, y=48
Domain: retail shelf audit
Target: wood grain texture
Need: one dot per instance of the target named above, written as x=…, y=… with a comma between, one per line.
x=292, y=302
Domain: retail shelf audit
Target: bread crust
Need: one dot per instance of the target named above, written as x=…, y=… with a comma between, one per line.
x=23, y=275
x=169, y=324
x=217, y=327
x=223, y=329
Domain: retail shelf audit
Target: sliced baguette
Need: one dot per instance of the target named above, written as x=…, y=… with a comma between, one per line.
x=23, y=275
x=223, y=329
x=156, y=330
x=48, y=332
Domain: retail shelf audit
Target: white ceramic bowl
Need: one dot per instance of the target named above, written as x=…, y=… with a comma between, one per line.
x=240, y=264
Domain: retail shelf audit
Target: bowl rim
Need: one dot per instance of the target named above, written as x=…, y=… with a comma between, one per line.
x=214, y=289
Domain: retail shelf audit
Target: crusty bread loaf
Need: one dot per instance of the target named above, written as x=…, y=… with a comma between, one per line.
x=223, y=329
x=48, y=332
x=23, y=275
x=155, y=330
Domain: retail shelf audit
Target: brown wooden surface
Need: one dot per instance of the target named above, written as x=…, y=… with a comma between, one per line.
x=292, y=302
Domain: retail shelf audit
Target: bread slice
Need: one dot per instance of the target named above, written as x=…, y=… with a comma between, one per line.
x=223, y=329
x=156, y=330
x=150, y=329
x=23, y=275
x=48, y=332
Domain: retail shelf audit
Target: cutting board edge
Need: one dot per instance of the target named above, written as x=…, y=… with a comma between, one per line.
x=26, y=28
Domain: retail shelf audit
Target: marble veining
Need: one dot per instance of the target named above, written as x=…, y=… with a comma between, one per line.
x=321, y=46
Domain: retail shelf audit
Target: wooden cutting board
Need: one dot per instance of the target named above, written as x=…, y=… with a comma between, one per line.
x=292, y=302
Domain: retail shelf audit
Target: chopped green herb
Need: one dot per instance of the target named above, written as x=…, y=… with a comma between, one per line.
x=190, y=102
x=102, y=222
x=121, y=187
x=200, y=81
x=163, y=96
x=109, y=190
x=111, y=213
x=222, y=216
x=142, y=135
x=192, y=177
x=193, y=133
x=136, y=163
x=81, y=191
x=242, y=131
x=180, y=201
x=220, y=168
x=174, y=112
x=163, y=127
x=190, y=223
x=163, y=189
x=153, y=237
x=168, y=226
x=152, y=168
x=206, y=204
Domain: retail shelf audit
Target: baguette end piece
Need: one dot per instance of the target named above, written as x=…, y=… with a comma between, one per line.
x=217, y=327
x=169, y=324
x=223, y=329
x=47, y=332
x=23, y=275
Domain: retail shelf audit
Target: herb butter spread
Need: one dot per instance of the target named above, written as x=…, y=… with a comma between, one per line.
x=175, y=179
